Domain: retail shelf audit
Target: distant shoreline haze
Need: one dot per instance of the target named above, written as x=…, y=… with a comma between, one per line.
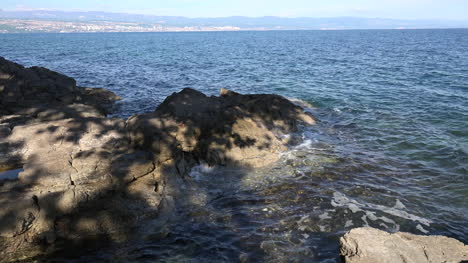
x=70, y=22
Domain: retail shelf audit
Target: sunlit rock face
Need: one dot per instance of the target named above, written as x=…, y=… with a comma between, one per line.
x=229, y=129
x=366, y=245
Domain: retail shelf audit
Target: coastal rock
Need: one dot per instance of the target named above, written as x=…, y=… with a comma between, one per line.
x=84, y=176
x=362, y=245
x=229, y=129
x=80, y=179
x=38, y=89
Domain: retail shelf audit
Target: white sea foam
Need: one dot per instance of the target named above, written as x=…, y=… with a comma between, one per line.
x=364, y=219
x=371, y=216
x=336, y=110
x=199, y=170
x=399, y=205
x=420, y=228
x=341, y=200
x=325, y=216
x=354, y=208
x=349, y=223
x=302, y=103
x=305, y=145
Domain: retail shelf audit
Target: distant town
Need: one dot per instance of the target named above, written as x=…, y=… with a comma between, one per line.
x=53, y=21
x=38, y=26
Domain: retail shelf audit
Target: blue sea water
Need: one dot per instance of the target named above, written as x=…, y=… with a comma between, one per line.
x=390, y=149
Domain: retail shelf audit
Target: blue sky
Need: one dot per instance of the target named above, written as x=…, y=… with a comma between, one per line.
x=402, y=9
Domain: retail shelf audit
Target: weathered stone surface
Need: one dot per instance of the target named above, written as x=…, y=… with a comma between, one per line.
x=45, y=93
x=230, y=129
x=80, y=179
x=84, y=175
x=369, y=245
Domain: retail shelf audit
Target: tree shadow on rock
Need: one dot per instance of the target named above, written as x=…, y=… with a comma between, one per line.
x=237, y=131
x=88, y=179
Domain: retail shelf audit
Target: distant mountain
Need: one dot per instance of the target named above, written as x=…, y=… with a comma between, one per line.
x=243, y=23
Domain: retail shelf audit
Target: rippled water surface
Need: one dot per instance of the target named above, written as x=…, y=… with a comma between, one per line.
x=390, y=148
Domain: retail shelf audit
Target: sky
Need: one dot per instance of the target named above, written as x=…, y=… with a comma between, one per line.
x=398, y=9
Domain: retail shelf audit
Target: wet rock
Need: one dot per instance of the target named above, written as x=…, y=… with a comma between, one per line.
x=367, y=244
x=229, y=129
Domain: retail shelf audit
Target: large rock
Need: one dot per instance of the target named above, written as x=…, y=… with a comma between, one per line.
x=229, y=129
x=369, y=245
x=85, y=176
x=80, y=179
x=20, y=85
x=42, y=91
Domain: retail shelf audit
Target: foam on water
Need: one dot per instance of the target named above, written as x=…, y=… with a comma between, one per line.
x=304, y=104
x=421, y=228
x=341, y=200
x=197, y=171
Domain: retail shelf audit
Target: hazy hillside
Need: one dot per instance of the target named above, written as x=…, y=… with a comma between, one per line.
x=242, y=23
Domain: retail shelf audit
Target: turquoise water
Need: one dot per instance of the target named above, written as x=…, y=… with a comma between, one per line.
x=390, y=149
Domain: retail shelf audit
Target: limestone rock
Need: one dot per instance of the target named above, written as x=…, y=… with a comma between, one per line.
x=230, y=129
x=362, y=245
x=80, y=179
x=38, y=88
x=84, y=175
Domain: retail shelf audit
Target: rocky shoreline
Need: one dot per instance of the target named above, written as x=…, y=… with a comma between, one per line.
x=84, y=177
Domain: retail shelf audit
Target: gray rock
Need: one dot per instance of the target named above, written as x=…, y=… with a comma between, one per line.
x=230, y=129
x=369, y=245
x=80, y=179
x=85, y=176
x=23, y=88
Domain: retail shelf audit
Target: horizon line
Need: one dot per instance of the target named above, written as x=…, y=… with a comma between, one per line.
x=231, y=16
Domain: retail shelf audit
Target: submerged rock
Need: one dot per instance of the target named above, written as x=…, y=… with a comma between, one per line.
x=362, y=245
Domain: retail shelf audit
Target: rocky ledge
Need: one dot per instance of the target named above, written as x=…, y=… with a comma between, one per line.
x=369, y=245
x=83, y=176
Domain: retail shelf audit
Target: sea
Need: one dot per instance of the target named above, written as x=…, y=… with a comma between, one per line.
x=389, y=150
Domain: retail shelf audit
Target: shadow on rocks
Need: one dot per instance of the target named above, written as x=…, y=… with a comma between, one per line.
x=87, y=178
